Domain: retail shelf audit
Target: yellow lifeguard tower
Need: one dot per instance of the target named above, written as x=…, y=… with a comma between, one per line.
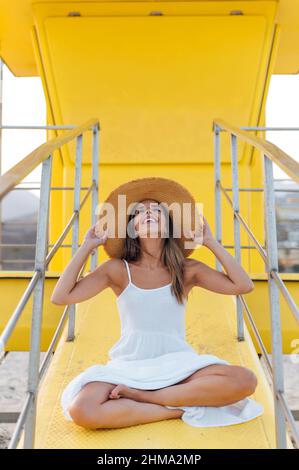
x=135, y=89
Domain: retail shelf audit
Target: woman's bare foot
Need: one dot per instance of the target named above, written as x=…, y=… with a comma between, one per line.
x=121, y=390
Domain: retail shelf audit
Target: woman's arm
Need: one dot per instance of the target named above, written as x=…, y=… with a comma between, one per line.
x=68, y=290
x=236, y=281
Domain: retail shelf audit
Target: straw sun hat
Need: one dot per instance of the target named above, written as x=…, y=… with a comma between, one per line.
x=163, y=190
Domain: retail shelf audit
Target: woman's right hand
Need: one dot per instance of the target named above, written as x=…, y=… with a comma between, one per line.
x=94, y=238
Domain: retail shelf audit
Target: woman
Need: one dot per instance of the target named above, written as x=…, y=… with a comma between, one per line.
x=153, y=373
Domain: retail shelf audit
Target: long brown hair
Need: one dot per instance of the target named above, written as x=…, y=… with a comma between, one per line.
x=171, y=256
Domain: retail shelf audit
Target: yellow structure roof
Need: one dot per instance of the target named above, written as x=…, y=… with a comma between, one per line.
x=18, y=17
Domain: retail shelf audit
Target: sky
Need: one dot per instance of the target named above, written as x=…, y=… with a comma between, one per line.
x=282, y=110
x=24, y=104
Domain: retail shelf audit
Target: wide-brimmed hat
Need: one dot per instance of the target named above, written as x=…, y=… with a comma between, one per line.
x=163, y=190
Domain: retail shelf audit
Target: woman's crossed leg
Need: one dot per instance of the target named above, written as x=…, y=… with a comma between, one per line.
x=213, y=385
x=92, y=408
x=106, y=405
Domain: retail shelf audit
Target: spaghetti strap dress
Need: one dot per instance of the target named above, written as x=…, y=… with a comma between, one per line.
x=152, y=353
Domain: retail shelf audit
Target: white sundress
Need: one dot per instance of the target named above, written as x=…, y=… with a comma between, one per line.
x=152, y=353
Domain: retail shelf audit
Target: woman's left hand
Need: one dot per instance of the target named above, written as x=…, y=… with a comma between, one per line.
x=205, y=235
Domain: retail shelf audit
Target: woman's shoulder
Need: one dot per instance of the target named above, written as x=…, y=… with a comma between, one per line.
x=191, y=267
x=190, y=263
x=188, y=269
x=116, y=269
x=114, y=265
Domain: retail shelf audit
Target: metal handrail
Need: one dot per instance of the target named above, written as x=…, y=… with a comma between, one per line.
x=274, y=153
x=59, y=328
x=257, y=189
x=18, y=172
x=283, y=415
x=257, y=335
x=52, y=188
x=43, y=154
x=263, y=254
x=8, y=330
x=289, y=416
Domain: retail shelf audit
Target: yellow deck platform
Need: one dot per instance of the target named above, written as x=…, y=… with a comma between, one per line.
x=211, y=329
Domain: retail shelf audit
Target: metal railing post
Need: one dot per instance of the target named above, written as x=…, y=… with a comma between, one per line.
x=95, y=188
x=236, y=208
x=38, y=296
x=75, y=230
x=272, y=264
x=217, y=194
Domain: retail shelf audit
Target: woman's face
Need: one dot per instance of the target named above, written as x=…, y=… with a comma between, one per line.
x=149, y=219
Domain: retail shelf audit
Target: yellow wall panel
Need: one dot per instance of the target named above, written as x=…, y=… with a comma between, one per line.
x=155, y=83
